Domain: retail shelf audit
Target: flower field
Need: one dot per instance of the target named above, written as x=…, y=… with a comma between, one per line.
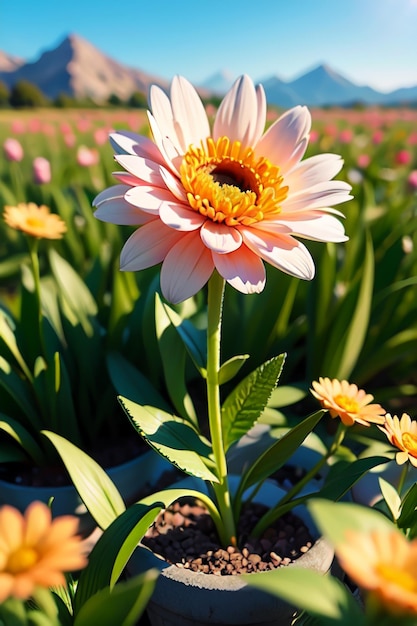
x=356, y=319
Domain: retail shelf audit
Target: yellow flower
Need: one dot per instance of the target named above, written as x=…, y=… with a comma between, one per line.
x=345, y=400
x=35, y=550
x=383, y=564
x=402, y=433
x=34, y=220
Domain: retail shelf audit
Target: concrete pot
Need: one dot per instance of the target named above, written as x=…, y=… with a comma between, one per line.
x=186, y=598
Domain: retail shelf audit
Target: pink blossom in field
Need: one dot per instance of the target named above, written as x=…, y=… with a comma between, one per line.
x=101, y=136
x=412, y=139
x=377, y=137
x=412, y=179
x=403, y=157
x=13, y=150
x=18, y=127
x=69, y=139
x=65, y=128
x=34, y=125
x=83, y=125
x=86, y=157
x=314, y=136
x=346, y=135
x=41, y=168
x=363, y=160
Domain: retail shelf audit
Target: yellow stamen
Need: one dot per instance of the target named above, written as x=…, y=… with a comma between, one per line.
x=21, y=560
x=229, y=184
x=409, y=441
x=347, y=403
x=397, y=576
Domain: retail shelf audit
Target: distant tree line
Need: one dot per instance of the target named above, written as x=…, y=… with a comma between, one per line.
x=24, y=94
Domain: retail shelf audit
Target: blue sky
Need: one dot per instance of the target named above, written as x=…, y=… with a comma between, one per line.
x=370, y=42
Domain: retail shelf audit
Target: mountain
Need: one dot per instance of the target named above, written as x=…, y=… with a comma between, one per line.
x=9, y=63
x=80, y=70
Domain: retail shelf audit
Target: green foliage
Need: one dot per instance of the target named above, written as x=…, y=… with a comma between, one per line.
x=26, y=94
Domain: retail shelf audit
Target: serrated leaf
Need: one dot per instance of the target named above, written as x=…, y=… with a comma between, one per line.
x=246, y=402
x=230, y=368
x=95, y=488
x=174, y=438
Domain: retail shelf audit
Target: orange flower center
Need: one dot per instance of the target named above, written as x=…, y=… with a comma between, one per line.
x=347, y=403
x=21, y=560
x=398, y=576
x=229, y=184
x=35, y=223
x=409, y=441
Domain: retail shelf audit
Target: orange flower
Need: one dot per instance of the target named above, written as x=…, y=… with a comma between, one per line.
x=35, y=549
x=34, y=220
x=384, y=564
x=402, y=433
x=345, y=400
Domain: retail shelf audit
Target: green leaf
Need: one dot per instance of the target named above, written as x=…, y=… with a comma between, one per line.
x=7, y=335
x=95, y=488
x=279, y=452
x=391, y=497
x=79, y=309
x=23, y=437
x=194, y=339
x=230, y=368
x=285, y=396
x=174, y=438
x=245, y=404
x=170, y=343
x=407, y=519
x=335, y=518
x=320, y=595
x=122, y=605
x=129, y=382
x=344, y=474
x=20, y=392
x=112, y=551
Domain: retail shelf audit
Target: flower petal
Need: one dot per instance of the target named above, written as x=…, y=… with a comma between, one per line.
x=180, y=217
x=312, y=171
x=315, y=226
x=285, y=142
x=144, y=169
x=173, y=184
x=126, y=142
x=190, y=117
x=281, y=251
x=148, y=198
x=111, y=193
x=242, y=113
x=186, y=268
x=220, y=238
x=242, y=269
x=118, y=211
x=148, y=246
x=170, y=152
x=317, y=197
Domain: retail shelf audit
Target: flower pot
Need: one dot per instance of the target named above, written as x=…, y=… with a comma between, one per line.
x=132, y=478
x=187, y=598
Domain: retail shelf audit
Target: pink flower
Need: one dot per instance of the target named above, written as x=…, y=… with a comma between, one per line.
x=412, y=179
x=13, y=150
x=225, y=199
x=101, y=135
x=86, y=157
x=363, y=160
x=41, y=168
x=346, y=135
x=403, y=157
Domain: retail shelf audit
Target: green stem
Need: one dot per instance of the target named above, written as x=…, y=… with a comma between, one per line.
x=403, y=477
x=271, y=515
x=33, y=243
x=227, y=529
